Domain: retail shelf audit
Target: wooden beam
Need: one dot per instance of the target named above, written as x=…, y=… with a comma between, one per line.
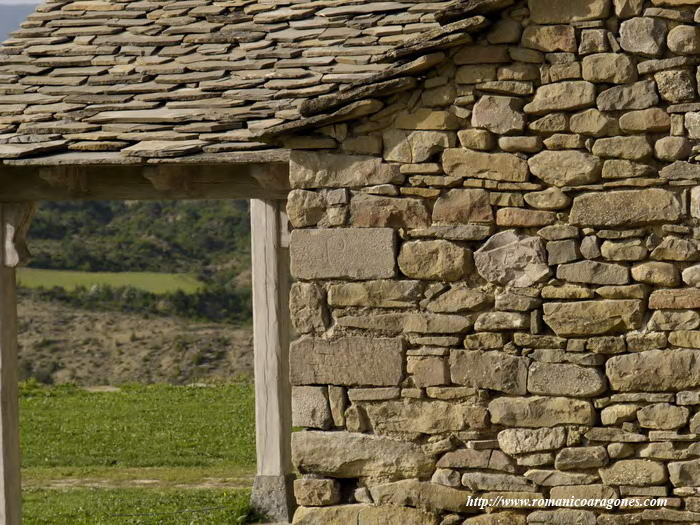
x=14, y=222
x=144, y=182
x=272, y=492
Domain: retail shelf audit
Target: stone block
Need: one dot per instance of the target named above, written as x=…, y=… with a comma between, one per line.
x=434, y=260
x=563, y=379
x=378, y=294
x=343, y=253
x=307, y=308
x=374, y=211
x=312, y=492
x=625, y=208
x=350, y=455
x=489, y=370
x=536, y=411
x=310, y=407
x=655, y=371
x=587, y=318
x=504, y=167
x=566, y=168
x=508, y=258
x=526, y=441
x=557, y=12
x=463, y=207
x=426, y=417
x=348, y=361
x=309, y=169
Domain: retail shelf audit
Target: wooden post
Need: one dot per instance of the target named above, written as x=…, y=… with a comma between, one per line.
x=14, y=222
x=272, y=490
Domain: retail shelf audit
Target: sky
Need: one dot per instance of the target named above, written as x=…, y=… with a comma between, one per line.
x=15, y=2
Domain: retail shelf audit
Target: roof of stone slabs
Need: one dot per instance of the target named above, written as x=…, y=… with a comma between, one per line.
x=158, y=79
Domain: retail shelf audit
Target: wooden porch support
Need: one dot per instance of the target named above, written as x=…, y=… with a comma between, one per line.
x=14, y=222
x=272, y=490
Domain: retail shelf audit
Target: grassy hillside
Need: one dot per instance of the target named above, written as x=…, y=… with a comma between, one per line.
x=199, y=249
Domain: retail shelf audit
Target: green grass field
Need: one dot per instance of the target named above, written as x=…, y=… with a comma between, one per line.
x=158, y=283
x=93, y=458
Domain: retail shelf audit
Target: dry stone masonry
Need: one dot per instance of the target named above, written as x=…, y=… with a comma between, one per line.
x=498, y=271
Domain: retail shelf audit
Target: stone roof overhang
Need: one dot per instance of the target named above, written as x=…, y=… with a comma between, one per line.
x=136, y=82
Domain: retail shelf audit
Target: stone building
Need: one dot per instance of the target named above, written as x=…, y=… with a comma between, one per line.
x=495, y=231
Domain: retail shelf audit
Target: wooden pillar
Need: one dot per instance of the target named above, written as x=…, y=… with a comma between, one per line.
x=272, y=491
x=14, y=222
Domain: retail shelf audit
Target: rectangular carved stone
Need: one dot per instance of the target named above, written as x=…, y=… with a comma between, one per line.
x=675, y=299
x=308, y=169
x=654, y=371
x=427, y=417
x=593, y=317
x=491, y=370
x=343, y=253
x=349, y=455
x=349, y=361
x=625, y=208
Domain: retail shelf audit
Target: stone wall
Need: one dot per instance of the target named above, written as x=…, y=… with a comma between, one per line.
x=498, y=279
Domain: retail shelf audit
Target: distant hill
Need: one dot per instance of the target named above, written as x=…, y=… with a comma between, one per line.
x=11, y=16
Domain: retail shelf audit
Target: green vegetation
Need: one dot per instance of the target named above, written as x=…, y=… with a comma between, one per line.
x=185, y=258
x=157, y=283
x=90, y=506
x=171, y=436
x=138, y=426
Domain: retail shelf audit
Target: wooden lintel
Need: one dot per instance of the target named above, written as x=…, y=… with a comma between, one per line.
x=268, y=181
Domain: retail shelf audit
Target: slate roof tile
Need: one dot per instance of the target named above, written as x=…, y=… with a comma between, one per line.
x=161, y=78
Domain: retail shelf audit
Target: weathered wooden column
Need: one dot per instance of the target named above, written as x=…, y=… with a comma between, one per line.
x=15, y=219
x=272, y=490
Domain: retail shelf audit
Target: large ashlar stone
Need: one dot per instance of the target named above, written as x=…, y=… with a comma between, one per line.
x=463, y=207
x=308, y=169
x=692, y=124
x=550, y=38
x=347, y=361
x=498, y=518
x=586, y=318
x=562, y=96
x=681, y=170
x=415, y=146
x=643, y=35
x=500, y=115
x=549, y=199
x=654, y=120
x=655, y=371
x=611, y=68
x=362, y=515
x=593, y=122
x=629, y=148
x=524, y=218
x=526, y=441
x=685, y=473
x=464, y=458
x=553, y=478
x=350, y=455
x=640, y=95
x=460, y=298
x=593, y=272
x=667, y=320
x=656, y=273
x=434, y=260
x=396, y=323
x=376, y=211
x=489, y=370
x=576, y=458
x=343, y=253
x=504, y=167
x=625, y=208
x=306, y=308
x=684, y=40
x=566, y=168
x=675, y=86
x=508, y=258
x=381, y=294
x=635, y=472
x=662, y=416
x=316, y=492
x=426, y=417
x=305, y=208
x=310, y=407
x=421, y=494
x=496, y=481
x=675, y=299
x=557, y=12
x=564, y=379
x=561, y=516
x=539, y=411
